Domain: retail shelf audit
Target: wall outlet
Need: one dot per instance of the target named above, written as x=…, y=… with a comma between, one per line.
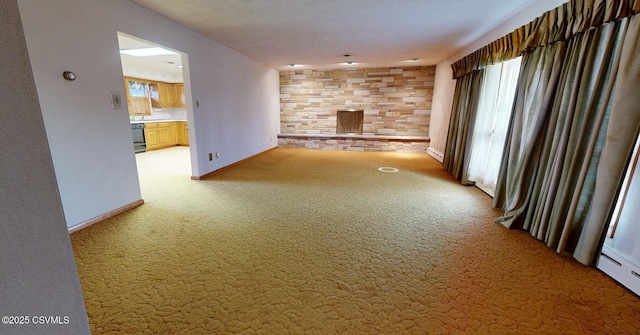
x=210, y=156
x=217, y=154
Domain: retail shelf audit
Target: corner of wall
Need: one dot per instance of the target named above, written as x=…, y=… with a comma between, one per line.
x=444, y=89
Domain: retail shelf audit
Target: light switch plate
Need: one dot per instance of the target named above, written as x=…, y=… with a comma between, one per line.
x=116, y=101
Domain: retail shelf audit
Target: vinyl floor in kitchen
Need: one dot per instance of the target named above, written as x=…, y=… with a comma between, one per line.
x=173, y=160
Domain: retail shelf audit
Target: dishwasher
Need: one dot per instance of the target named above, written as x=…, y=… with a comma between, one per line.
x=139, y=144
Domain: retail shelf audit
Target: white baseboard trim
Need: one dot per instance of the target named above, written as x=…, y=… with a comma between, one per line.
x=435, y=154
x=620, y=269
x=209, y=174
x=105, y=216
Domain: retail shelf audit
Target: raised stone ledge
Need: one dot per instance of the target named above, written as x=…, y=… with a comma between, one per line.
x=357, y=137
x=408, y=144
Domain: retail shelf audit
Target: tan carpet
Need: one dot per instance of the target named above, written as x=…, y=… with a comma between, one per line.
x=319, y=242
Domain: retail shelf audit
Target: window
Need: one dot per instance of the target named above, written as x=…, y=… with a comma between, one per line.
x=491, y=123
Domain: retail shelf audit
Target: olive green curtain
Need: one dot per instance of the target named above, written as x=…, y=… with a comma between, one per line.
x=465, y=105
x=575, y=118
x=538, y=80
x=558, y=129
x=622, y=131
x=560, y=24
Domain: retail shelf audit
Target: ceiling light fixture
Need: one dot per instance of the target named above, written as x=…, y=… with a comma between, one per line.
x=147, y=52
x=292, y=65
x=413, y=59
x=349, y=63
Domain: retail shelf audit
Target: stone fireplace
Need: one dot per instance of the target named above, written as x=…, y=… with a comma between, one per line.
x=369, y=109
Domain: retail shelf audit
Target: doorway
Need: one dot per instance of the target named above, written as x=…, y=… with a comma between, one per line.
x=155, y=90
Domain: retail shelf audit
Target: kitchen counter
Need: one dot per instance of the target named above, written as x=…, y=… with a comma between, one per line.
x=152, y=121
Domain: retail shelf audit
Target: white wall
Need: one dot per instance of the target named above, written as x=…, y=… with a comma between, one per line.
x=91, y=144
x=37, y=265
x=445, y=85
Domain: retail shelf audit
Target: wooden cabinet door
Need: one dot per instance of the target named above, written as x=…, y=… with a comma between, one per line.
x=166, y=95
x=139, y=106
x=185, y=134
x=154, y=92
x=179, y=95
x=165, y=135
x=151, y=137
x=176, y=129
x=138, y=100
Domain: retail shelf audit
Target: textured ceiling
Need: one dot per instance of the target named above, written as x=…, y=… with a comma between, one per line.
x=317, y=33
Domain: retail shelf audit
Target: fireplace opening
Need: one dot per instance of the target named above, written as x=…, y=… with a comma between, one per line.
x=349, y=121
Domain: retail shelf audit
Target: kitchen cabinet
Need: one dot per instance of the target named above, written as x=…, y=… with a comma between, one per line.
x=184, y=130
x=177, y=130
x=176, y=93
x=161, y=135
x=166, y=134
x=180, y=99
x=151, y=137
x=154, y=94
x=167, y=94
x=182, y=133
x=138, y=96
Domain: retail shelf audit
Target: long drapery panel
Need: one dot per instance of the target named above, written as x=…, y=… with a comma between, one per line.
x=622, y=131
x=537, y=82
x=465, y=105
x=557, y=133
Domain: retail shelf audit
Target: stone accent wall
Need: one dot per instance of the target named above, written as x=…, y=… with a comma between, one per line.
x=396, y=101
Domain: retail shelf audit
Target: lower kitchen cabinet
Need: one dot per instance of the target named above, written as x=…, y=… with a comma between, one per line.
x=159, y=135
x=151, y=137
x=166, y=134
x=184, y=129
x=182, y=133
x=177, y=134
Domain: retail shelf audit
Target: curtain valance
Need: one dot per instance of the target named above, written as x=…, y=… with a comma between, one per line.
x=559, y=24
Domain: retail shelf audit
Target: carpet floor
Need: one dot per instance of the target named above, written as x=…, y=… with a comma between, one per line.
x=322, y=242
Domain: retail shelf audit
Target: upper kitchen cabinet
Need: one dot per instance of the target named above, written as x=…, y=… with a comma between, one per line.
x=138, y=96
x=167, y=94
x=179, y=90
x=154, y=92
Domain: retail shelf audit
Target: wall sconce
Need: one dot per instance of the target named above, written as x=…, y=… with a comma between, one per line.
x=68, y=75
